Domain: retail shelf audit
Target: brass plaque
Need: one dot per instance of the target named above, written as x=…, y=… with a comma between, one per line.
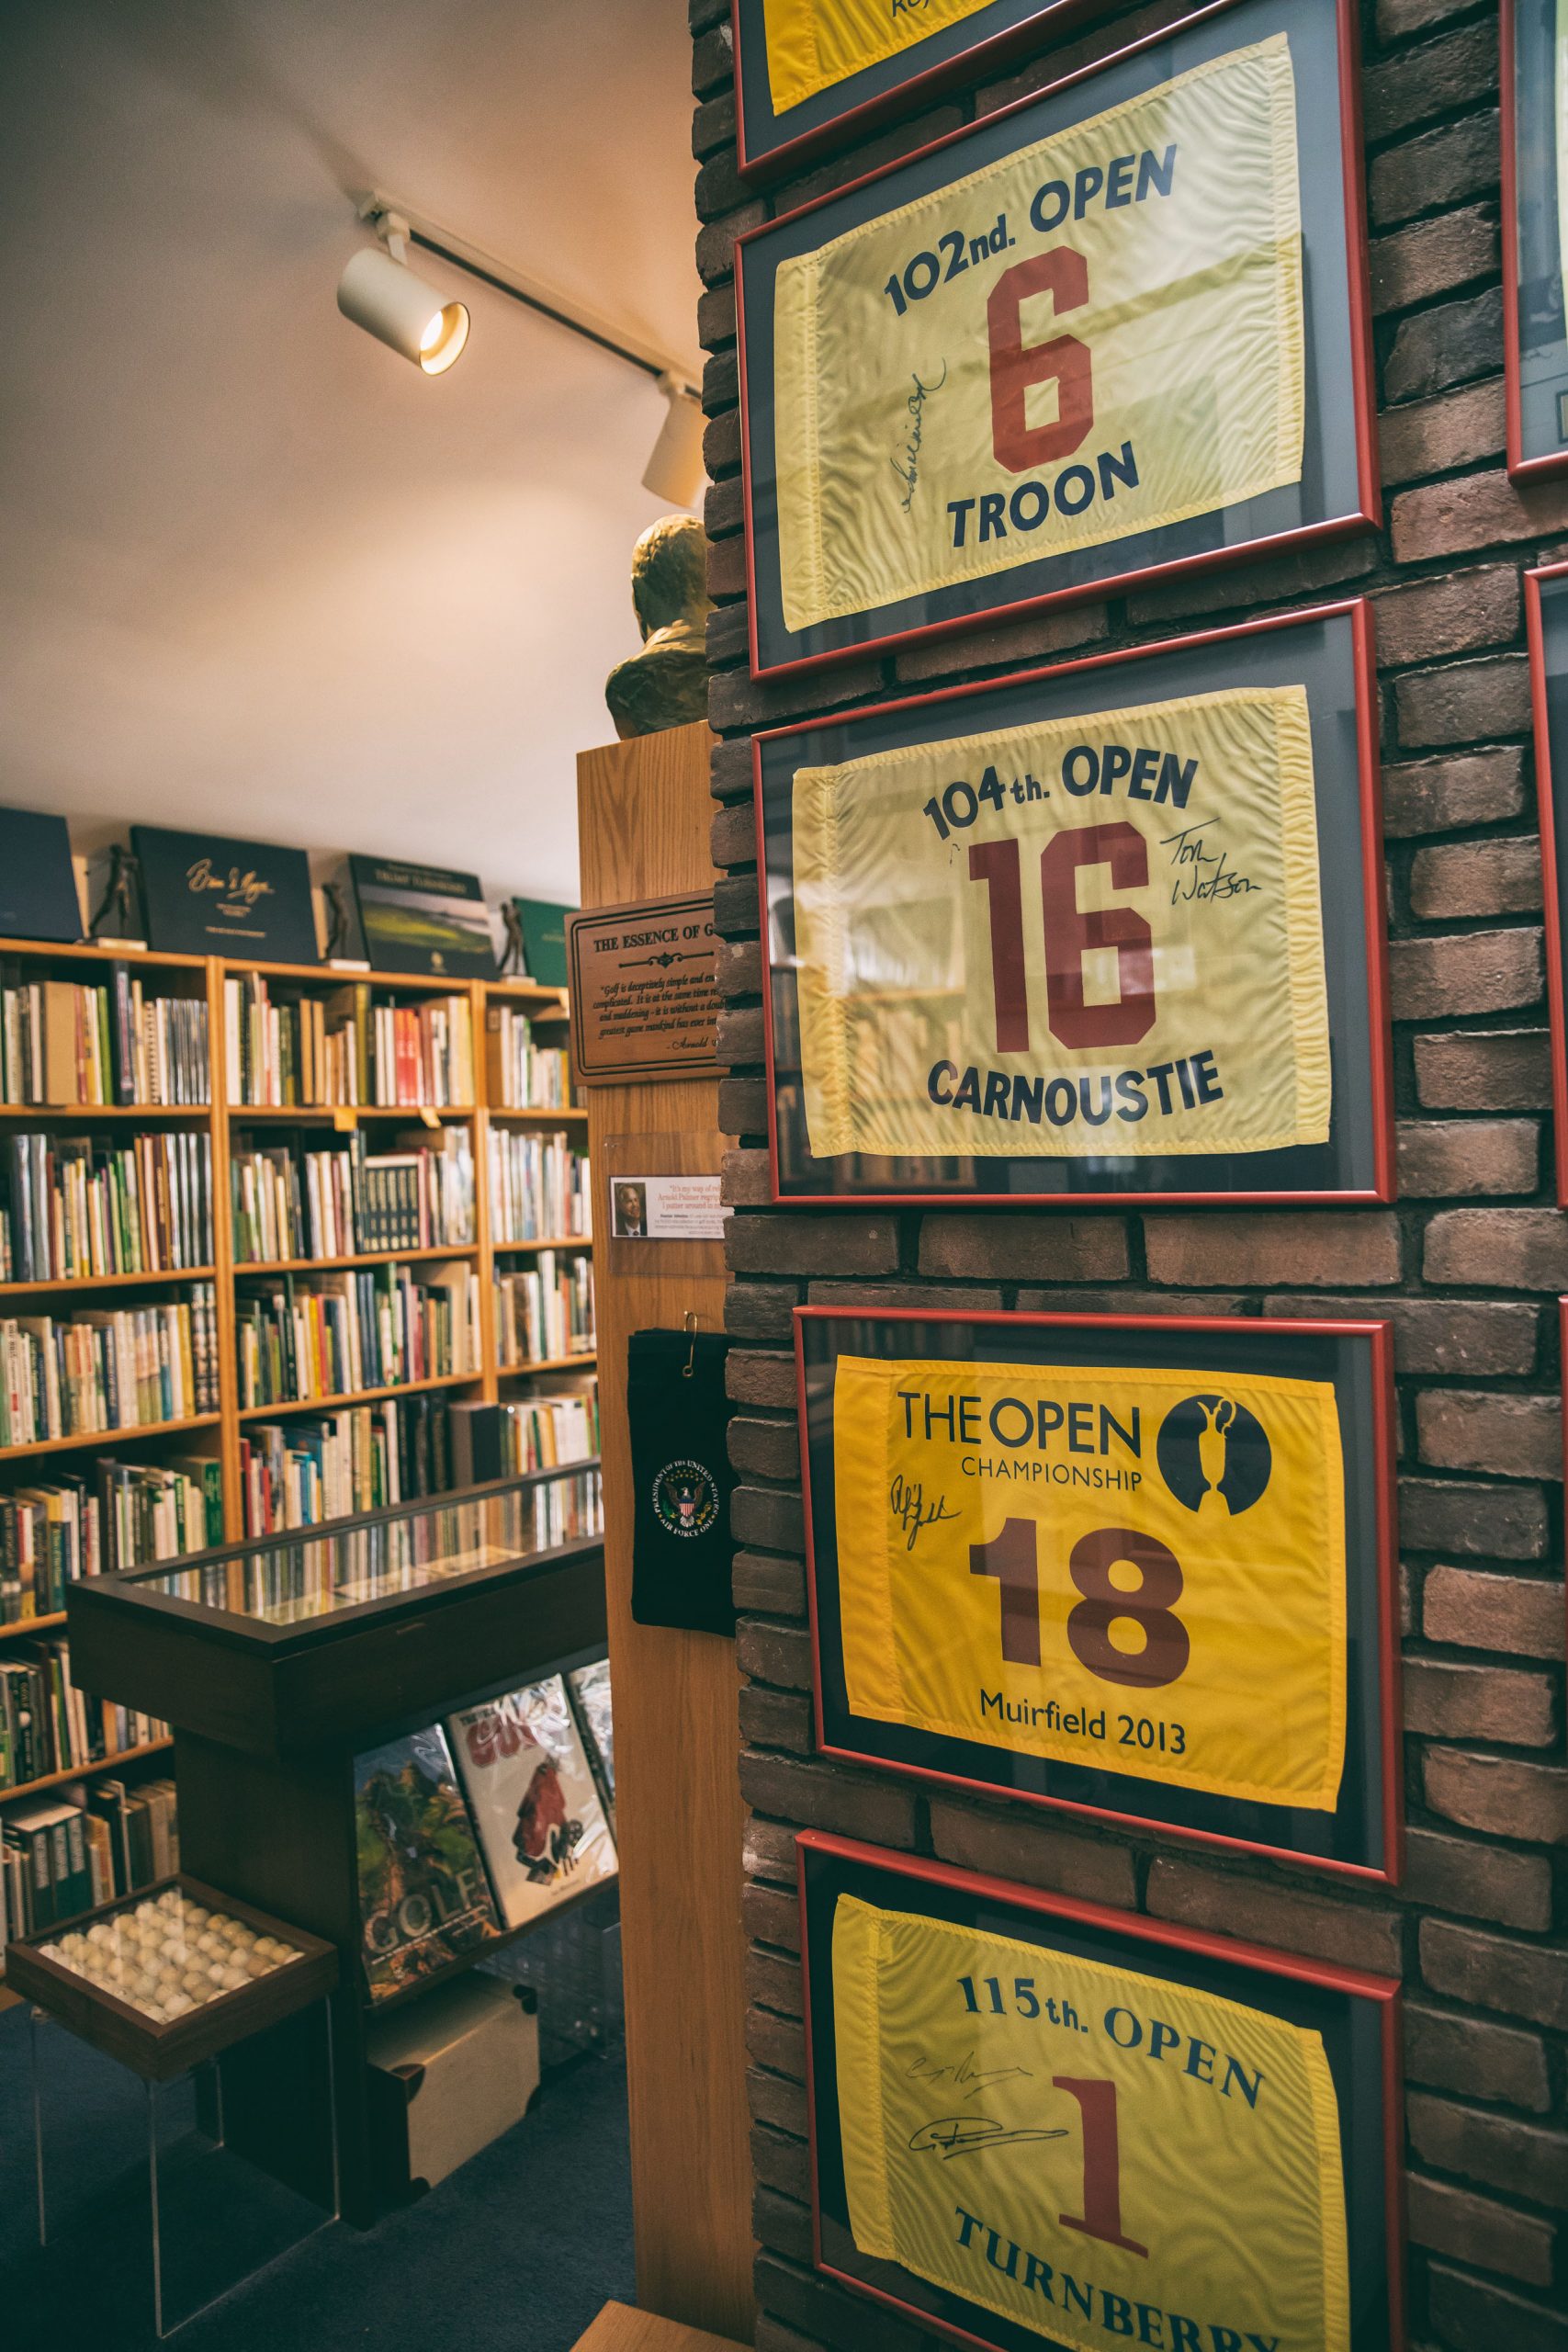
x=644, y=997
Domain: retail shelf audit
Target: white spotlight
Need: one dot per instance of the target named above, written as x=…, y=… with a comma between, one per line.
x=675, y=471
x=387, y=301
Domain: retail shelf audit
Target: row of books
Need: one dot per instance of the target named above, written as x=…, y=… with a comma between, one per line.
x=302, y=1473
x=544, y=1311
x=523, y=1074
x=294, y=1201
x=538, y=1188
x=46, y=1725
x=506, y=1439
x=286, y=1048
x=72, y=1041
x=112, y=1515
x=482, y=1824
x=107, y=1368
x=61, y=1855
x=75, y=1208
x=331, y=1335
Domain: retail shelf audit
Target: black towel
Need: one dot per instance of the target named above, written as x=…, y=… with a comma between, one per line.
x=681, y=1546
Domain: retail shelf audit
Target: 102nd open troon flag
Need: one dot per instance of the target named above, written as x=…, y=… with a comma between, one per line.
x=1095, y=337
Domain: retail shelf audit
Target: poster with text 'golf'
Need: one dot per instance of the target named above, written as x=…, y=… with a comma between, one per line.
x=1134, y=1565
x=1040, y=2123
x=1070, y=345
x=1111, y=928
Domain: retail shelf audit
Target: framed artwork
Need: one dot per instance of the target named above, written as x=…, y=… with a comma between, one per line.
x=1139, y=1567
x=1038, y=2120
x=1066, y=348
x=811, y=75
x=1111, y=931
x=207, y=895
x=1546, y=622
x=1535, y=234
x=422, y=918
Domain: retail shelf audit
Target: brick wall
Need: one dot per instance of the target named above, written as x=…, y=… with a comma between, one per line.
x=1468, y=1266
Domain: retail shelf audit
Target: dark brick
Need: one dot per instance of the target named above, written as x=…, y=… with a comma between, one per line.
x=1438, y=436
x=1344, y=1246
x=1469, y=1428
x=1278, y=581
x=1453, y=615
x=1434, y=258
x=1011, y=1248
x=1477, y=2057
x=780, y=1654
x=818, y=1797
x=776, y=2102
x=1496, y=1703
x=1442, y=166
x=1473, y=1610
x=764, y=1449
x=743, y=1105
x=1474, y=511
x=785, y=2226
x=1436, y=1335
x=1034, y=1851
x=1502, y=1249
x=1501, y=1795
x=1520, y=2157
x=812, y=1245
x=774, y=1978
x=764, y=1515
x=1479, y=1880
x=759, y=1582
x=1447, y=1159
x=1498, y=1069
x=1440, y=795
x=1494, y=877
x=754, y=1378
x=1435, y=349
x=760, y=1311
x=1507, y=1522
x=1472, y=2317
x=1465, y=700
x=1010, y=645
x=777, y=1719
x=1437, y=78
x=1473, y=2229
x=1198, y=1894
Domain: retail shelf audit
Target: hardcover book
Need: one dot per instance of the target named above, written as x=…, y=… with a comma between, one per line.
x=543, y=940
x=206, y=895
x=422, y=918
x=423, y=1902
x=37, y=885
x=540, y=1819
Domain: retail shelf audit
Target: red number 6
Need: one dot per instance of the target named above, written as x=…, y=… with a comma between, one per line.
x=1065, y=361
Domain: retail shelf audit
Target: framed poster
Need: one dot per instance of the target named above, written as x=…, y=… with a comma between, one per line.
x=1037, y=2120
x=1141, y=1568
x=207, y=895
x=1066, y=348
x=810, y=74
x=1535, y=234
x=1113, y=931
x=1546, y=621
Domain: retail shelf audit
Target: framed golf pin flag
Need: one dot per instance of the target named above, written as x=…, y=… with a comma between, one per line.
x=1069, y=346
x=813, y=73
x=1140, y=1568
x=1546, y=618
x=1036, y=2120
x=1113, y=931
x=1534, y=234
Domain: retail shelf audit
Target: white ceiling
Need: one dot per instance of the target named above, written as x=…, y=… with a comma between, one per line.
x=256, y=572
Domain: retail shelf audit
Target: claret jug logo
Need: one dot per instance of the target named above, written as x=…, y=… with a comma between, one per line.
x=1215, y=1455
x=686, y=1500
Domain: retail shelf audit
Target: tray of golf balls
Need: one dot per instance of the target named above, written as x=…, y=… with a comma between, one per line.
x=170, y=1975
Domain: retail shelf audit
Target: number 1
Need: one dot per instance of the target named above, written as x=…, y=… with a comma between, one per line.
x=1101, y=2216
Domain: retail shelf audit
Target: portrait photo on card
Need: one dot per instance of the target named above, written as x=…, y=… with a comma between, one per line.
x=1040, y=2122
x=1534, y=73
x=1108, y=930
x=811, y=75
x=1139, y=1567
x=1117, y=329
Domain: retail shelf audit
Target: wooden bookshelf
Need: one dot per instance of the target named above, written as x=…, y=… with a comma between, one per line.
x=85, y=1772
x=221, y=1432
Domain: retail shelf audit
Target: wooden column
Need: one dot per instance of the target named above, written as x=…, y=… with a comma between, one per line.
x=644, y=811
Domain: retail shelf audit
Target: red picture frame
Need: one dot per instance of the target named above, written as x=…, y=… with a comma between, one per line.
x=793, y=150
x=1541, y=577
x=1367, y=512
x=1383, y=1189
x=1521, y=468
x=1386, y=1994
x=1378, y=1334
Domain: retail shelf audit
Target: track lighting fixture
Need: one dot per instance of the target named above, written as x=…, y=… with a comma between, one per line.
x=381, y=293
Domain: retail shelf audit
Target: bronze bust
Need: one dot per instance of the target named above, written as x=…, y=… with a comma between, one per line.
x=666, y=683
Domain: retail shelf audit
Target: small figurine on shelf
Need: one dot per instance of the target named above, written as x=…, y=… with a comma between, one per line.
x=118, y=922
x=514, y=954
x=340, y=937
x=666, y=684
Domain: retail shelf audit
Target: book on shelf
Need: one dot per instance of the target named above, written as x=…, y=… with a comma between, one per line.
x=544, y=1311
x=524, y=1075
x=304, y=1472
x=69, y=1851
x=295, y=1199
x=305, y=1336
x=542, y=1825
x=506, y=1439
x=422, y=918
x=543, y=925
x=46, y=1725
x=289, y=1048
x=423, y=1898
x=99, y=1370
x=37, y=881
x=206, y=894
x=112, y=1515
x=74, y=1208
x=538, y=1188
x=590, y=1689
x=99, y=1043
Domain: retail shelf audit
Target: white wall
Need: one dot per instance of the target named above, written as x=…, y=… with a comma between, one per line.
x=256, y=572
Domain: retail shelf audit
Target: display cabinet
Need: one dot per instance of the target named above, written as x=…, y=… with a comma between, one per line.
x=276, y=1662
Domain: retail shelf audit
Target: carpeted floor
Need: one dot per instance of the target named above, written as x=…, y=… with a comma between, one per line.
x=519, y=2249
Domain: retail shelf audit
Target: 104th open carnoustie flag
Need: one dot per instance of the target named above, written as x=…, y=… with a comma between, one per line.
x=1099, y=335
x=1138, y=1571
x=1099, y=2155
x=1095, y=935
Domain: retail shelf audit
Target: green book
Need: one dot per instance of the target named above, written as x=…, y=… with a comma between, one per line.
x=543, y=940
